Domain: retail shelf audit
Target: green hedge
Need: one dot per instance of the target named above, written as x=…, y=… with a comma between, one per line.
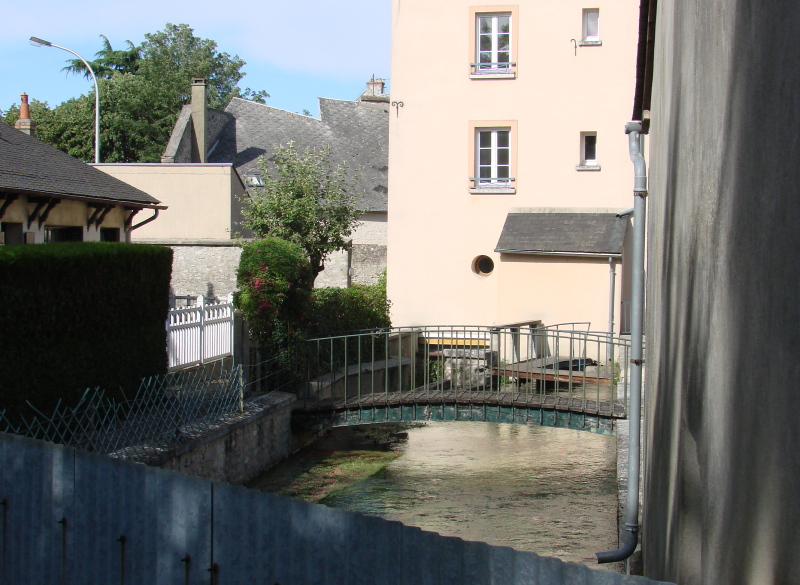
x=78, y=315
x=339, y=310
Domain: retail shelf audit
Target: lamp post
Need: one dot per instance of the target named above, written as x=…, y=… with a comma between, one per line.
x=37, y=42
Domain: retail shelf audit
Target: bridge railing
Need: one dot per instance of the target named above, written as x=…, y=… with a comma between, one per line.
x=523, y=358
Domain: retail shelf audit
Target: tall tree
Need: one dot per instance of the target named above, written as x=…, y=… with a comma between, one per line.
x=305, y=200
x=142, y=90
x=108, y=61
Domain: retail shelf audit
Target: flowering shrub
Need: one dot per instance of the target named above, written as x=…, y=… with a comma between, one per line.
x=274, y=281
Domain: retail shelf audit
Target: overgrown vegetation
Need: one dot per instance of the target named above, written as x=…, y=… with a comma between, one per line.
x=79, y=315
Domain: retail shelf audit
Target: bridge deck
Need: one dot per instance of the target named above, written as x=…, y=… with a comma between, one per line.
x=434, y=394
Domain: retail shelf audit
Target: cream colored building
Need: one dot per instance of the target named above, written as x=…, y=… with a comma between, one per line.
x=200, y=222
x=508, y=121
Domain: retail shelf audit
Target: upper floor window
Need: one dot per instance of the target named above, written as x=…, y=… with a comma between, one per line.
x=591, y=27
x=493, y=45
x=492, y=161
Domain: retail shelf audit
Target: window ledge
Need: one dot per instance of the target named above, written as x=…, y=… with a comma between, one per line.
x=492, y=191
x=510, y=75
x=590, y=43
x=587, y=167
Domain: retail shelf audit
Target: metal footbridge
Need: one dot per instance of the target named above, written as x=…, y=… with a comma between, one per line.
x=520, y=373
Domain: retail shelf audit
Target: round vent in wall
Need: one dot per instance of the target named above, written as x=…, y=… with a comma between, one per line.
x=483, y=265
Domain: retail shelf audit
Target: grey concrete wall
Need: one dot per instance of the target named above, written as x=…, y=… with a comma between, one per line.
x=242, y=450
x=723, y=325
x=73, y=517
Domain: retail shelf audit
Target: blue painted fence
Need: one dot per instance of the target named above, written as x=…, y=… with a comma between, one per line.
x=71, y=517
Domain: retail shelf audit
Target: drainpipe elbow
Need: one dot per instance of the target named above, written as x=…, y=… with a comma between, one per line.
x=633, y=130
x=625, y=551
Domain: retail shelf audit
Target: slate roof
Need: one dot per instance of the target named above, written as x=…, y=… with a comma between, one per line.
x=565, y=233
x=31, y=167
x=357, y=133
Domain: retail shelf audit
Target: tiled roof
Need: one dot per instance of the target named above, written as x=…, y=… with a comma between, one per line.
x=29, y=166
x=565, y=233
x=357, y=133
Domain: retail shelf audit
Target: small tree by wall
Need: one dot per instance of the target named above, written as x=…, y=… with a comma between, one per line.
x=305, y=200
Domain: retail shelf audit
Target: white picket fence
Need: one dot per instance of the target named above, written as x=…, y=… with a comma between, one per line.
x=199, y=334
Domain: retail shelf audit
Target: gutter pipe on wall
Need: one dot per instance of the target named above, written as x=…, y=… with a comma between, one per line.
x=636, y=148
x=141, y=223
x=612, y=277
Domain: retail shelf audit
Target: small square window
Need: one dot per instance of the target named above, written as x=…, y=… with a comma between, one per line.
x=588, y=160
x=493, y=45
x=591, y=27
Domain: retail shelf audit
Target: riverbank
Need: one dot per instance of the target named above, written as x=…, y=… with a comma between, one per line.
x=340, y=459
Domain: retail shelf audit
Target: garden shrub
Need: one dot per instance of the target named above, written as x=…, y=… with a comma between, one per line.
x=339, y=310
x=345, y=310
x=274, y=281
x=78, y=315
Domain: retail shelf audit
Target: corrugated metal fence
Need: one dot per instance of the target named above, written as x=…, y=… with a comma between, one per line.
x=71, y=517
x=199, y=334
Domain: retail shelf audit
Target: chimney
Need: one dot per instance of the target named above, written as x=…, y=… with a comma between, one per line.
x=375, y=87
x=25, y=124
x=199, y=114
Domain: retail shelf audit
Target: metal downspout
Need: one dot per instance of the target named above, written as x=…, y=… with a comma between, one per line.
x=612, y=277
x=635, y=147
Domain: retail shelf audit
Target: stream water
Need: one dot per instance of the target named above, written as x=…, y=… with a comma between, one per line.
x=547, y=490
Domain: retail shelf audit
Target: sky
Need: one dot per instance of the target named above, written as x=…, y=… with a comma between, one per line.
x=297, y=51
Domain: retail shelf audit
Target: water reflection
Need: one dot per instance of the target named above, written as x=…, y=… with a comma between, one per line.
x=547, y=490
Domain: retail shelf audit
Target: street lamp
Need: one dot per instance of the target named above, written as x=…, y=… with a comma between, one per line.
x=37, y=42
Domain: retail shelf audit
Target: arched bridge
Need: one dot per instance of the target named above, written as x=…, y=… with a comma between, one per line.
x=520, y=373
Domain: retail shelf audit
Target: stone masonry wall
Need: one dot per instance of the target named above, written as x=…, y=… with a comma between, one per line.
x=210, y=270
x=239, y=452
x=204, y=270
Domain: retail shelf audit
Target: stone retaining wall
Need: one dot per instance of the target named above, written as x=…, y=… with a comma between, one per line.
x=242, y=450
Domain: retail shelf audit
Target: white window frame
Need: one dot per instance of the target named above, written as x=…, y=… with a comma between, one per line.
x=494, y=183
x=588, y=164
x=495, y=68
x=586, y=38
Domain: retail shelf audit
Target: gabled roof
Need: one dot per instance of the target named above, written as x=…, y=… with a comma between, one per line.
x=28, y=166
x=357, y=133
x=568, y=234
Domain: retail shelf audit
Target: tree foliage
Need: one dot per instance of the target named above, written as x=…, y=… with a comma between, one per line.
x=305, y=200
x=108, y=61
x=142, y=91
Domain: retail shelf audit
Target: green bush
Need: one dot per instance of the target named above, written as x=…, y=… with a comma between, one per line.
x=274, y=280
x=79, y=315
x=339, y=310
